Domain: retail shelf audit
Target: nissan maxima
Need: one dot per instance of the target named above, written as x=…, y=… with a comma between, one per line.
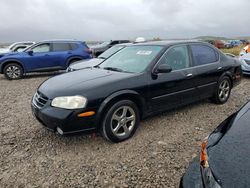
x=224, y=158
x=138, y=81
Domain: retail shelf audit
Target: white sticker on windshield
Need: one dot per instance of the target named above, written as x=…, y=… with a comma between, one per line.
x=144, y=52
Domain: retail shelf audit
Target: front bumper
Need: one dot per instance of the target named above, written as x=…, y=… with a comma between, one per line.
x=66, y=121
x=246, y=72
x=192, y=177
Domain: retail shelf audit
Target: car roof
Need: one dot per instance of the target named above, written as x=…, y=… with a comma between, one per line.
x=169, y=42
x=61, y=40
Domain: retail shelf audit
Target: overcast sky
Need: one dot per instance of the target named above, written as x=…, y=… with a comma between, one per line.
x=121, y=19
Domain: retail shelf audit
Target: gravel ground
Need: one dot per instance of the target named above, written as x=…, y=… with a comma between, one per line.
x=156, y=156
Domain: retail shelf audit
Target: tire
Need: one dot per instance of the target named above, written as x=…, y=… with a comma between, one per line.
x=223, y=90
x=121, y=121
x=13, y=71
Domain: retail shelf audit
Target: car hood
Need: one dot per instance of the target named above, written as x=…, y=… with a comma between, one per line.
x=12, y=54
x=88, y=82
x=229, y=158
x=86, y=63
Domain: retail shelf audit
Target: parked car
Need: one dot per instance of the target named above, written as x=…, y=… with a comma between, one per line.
x=219, y=44
x=228, y=44
x=138, y=81
x=43, y=56
x=96, y=61
x=224, y=157
x=100, y=48
x=16, y=47
x=245, y=63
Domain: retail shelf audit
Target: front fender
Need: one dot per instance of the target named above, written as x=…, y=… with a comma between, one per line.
x=123, y=94
x=8, y=60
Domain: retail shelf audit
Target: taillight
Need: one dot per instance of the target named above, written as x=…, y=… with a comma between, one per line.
x=203, y=154
x=238, y=74
x=88, y=50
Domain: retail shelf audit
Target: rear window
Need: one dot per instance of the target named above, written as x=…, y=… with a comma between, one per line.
x=203, y=54
x=61, y=47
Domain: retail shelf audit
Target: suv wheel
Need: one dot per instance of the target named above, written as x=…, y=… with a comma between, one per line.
x=120, y=121
x=13, y=71
x=223, y=91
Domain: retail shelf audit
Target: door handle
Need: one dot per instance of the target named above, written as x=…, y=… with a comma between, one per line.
x=189, y=75
x=219, y=68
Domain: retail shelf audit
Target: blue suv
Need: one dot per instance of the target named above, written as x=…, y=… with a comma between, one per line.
x=42, y=57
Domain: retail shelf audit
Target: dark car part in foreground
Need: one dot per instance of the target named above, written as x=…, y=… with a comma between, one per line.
x=138, y=81
x=224, y=158
x=96, y=61
x=43, y=57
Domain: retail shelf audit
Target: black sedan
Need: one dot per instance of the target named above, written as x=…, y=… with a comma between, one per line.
x=138, y=81
x=224, y=158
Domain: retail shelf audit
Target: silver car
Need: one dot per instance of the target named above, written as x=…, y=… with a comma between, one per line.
x=96, y=61
x=245, y=63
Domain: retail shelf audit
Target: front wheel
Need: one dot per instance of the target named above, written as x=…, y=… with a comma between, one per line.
x=223, y=91
x=13, y=71
x=120, y=121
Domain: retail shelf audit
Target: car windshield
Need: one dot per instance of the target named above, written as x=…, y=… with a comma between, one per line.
x=110, y=51
x=132, y=59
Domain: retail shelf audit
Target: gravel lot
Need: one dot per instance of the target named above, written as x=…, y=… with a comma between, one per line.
x=156, y=156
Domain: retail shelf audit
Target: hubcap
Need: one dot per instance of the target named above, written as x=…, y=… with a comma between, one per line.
x=123, y=121
x=224, y=90
x=13, y=71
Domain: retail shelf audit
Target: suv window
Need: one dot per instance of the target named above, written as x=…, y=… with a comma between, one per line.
x=42, y=48
x=203, y=54
x=60, y=47
x=177, y=57
x=73, y=46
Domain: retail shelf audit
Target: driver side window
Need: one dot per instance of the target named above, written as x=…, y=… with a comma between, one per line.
x=176, y=57
x=42, y=48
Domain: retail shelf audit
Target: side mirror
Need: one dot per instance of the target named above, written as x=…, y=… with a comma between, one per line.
x=163, y=68
x=30, y=52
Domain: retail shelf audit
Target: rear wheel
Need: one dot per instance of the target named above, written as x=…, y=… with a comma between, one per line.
x=223, y=91
x=120, y=121
x=13, y=71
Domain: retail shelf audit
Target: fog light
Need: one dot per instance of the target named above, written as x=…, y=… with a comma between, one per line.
x=59, y=131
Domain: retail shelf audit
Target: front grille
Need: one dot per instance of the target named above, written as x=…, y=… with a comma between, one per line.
x=39, y=100
x=247, y=62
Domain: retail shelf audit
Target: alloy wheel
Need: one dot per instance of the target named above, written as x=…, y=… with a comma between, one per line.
x=13, y=72
x=224, y=90
x=123, y=121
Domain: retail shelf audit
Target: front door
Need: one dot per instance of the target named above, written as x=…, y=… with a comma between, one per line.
x=39, y=58
x=169, y=90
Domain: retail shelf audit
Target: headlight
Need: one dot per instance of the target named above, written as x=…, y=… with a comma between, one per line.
x=69, y=102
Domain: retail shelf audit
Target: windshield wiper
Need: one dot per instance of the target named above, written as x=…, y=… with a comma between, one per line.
x=113, y=69
x=100, y=57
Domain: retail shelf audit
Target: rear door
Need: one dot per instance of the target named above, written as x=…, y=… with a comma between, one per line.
x=169, y=90
x=60, y=53
x=206, y=63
